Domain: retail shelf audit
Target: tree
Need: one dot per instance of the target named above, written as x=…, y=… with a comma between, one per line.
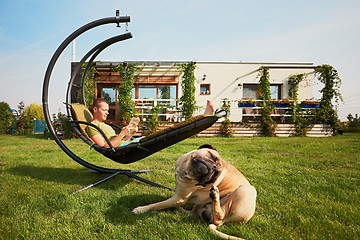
x=5, y=117
x=62, y=126
x=25, y=124
x=354, y=123
x=21, y=107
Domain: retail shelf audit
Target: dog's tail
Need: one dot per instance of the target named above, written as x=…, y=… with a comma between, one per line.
x=213, y=229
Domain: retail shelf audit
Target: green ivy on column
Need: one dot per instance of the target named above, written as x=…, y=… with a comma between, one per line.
x=89, y=84
x=225, y=127
x=187, y=100
x=267, y=124
x=299, y=121
x=126, y=104
x=328, y=75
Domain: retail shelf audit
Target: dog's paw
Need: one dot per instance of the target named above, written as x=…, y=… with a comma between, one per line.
x=139, y=210
x=214, y=192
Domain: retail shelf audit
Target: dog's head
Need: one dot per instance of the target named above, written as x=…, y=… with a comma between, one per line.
x=205, y=163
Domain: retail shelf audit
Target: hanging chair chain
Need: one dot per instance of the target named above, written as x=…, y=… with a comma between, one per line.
x=118, y=24
x=126, y=27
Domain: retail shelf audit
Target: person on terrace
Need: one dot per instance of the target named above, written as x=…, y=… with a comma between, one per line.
x=100, y=110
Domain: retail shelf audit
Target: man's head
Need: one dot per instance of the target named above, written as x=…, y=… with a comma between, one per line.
x=100, y=109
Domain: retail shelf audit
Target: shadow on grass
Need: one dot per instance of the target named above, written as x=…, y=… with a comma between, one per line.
x=120, y=212
x=70, y=176
x=31, y=136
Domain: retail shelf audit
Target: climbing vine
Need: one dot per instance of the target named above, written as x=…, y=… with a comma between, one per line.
x=328, y=75
x=187, y=100
x=294, y=81
x=225, y=127
x=267, y=124
x=126, y=104
x=299, y=121
x=89, y=84
x=153, y=123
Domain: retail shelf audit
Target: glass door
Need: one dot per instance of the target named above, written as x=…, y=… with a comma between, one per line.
x=110, y=93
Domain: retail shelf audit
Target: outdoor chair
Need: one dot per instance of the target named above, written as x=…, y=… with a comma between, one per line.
x=80, y=117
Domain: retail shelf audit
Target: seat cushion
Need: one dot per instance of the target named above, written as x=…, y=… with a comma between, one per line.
x=81, y=113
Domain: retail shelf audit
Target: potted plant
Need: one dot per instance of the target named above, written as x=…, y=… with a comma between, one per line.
x=246, y=102
x=310, y=103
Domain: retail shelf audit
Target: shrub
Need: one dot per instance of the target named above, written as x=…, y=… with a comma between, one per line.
x=5, y=117
x=62, y=126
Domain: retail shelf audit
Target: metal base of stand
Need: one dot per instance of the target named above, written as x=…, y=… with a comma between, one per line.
x=130, y=174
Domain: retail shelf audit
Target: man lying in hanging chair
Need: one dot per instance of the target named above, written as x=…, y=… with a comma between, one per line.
x=100, y=110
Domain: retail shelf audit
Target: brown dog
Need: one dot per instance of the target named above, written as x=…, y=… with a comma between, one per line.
x=219, y=192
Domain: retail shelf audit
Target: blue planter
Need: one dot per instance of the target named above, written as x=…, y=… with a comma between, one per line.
x=246, y=104
x=278, y=105
x=303, y=105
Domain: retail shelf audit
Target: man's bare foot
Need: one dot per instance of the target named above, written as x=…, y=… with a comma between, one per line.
x=209, y=110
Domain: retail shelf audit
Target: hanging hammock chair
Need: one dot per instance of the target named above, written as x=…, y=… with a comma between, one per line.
x=80, y=117
x=141, y=147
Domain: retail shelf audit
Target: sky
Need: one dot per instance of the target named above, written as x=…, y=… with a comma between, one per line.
x=317, y=31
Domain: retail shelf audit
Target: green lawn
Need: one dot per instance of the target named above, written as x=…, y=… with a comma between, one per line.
x=308, y=188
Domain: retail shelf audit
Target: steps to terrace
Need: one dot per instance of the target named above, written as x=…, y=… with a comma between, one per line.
x=253, y=130
x=282, y=130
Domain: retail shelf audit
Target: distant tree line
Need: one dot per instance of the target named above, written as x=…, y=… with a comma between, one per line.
x=353, y=124
x=23, y=121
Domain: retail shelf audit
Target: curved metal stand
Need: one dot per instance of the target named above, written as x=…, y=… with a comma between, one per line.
x=73, y=89
x=45, y=94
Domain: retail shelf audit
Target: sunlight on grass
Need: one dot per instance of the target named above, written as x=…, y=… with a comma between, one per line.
x=307, y=189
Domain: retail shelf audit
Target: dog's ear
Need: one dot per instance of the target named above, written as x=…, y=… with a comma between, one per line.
x=207, y=146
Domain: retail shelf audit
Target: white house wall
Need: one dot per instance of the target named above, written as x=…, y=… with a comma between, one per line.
x=226, y=80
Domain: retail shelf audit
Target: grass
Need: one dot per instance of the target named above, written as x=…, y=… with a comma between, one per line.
x=308, y=188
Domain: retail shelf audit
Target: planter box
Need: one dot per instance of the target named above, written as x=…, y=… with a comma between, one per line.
x=246, y=105
x=281, y=105
x=304, y=105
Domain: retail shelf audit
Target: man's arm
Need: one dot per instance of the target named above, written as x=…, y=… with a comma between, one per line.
x=124, y=135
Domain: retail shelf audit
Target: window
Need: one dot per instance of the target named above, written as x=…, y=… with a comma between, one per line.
x=147, y=92
x=252, y=91
x=205, y=89
x=167, y=92
x=161, y=94
x=109, y=93
x=156, y=92
x=147, y=95
x=275, y=90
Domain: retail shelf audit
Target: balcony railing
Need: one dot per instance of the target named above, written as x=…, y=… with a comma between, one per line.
x=168, y=109
x=250, y=110
x=282, y=109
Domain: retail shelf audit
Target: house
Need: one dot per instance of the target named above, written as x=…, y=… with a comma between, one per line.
x=158, y=82
x=239, y=80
